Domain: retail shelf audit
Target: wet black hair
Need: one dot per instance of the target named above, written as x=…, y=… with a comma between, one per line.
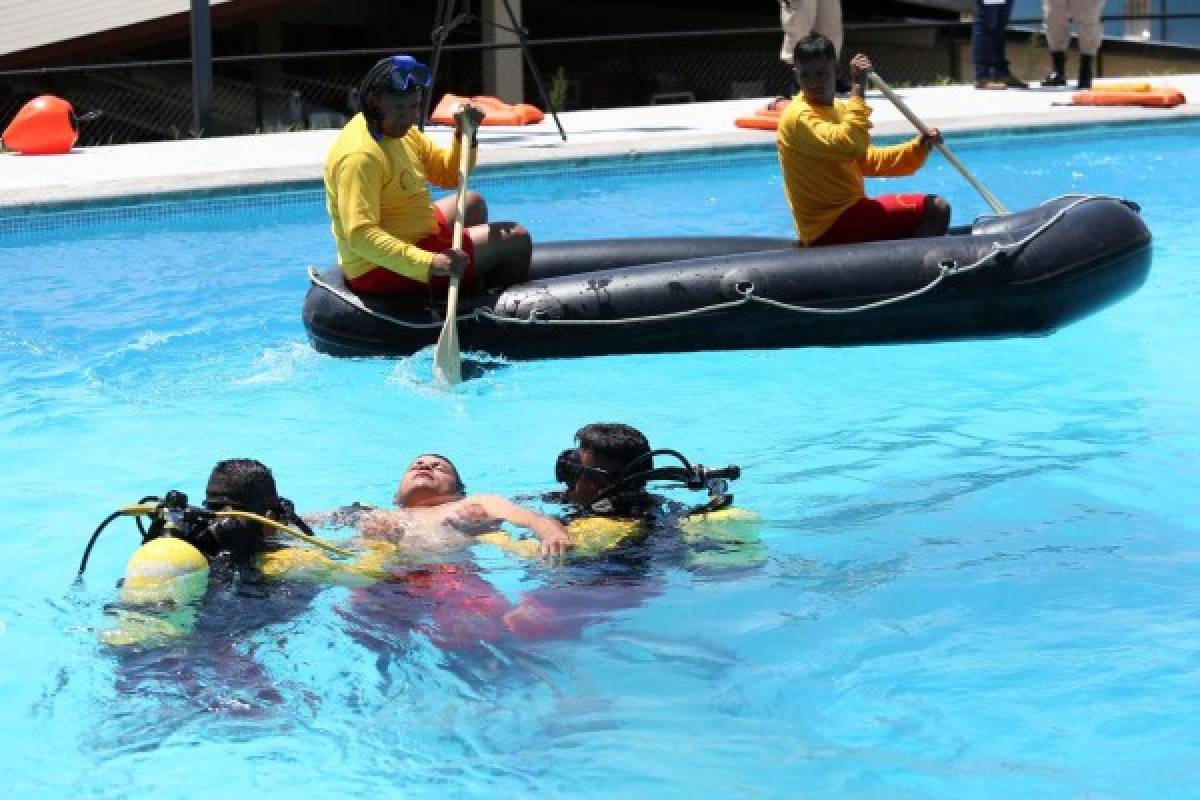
x=614, y=446
x=814, y=47
x=242, y=484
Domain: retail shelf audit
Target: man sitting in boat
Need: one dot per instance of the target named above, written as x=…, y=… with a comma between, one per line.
x=825, y=150
x=391, y=237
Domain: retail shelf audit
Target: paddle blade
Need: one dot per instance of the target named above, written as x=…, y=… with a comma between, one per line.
x=447, y=363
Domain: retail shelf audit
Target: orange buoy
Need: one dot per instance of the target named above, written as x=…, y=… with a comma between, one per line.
x=766, y=118
x=495, y=111
x=1151, y=97
x=46, y=125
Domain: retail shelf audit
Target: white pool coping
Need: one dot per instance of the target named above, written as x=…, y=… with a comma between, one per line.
x=30, y=183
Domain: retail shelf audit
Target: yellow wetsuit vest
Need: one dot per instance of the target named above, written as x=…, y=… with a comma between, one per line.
x=824, y=152
x=377, y=195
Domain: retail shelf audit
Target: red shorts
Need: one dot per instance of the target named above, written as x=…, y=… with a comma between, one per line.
x=379, y=280
x=874, y=219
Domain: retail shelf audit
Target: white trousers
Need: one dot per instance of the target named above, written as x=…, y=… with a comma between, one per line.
x=1085, y=13
x=799, y=18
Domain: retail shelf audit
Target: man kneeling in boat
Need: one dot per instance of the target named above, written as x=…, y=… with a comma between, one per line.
x=391, y=237
x=825, y=150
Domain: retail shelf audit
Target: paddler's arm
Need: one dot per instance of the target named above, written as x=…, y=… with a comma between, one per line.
x=441, y=165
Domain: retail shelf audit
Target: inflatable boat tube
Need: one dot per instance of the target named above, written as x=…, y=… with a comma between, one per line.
x=1025, y=273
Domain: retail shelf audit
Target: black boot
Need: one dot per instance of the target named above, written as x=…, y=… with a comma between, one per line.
x=1058, y=72
x=1085, y=72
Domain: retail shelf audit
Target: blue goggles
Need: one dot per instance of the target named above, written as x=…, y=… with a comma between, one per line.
x=405, y=73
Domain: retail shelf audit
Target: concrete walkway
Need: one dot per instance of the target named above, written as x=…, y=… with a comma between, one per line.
x=31, y=183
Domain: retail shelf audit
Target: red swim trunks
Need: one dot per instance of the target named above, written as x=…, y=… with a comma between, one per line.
x=874, y=219
x=383, y=281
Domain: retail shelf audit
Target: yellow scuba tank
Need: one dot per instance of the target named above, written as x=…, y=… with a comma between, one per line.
x=164, y=579
x=727, y=537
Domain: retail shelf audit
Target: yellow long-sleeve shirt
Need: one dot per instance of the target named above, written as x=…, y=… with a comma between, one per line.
x=824, y=152
x=377, y=194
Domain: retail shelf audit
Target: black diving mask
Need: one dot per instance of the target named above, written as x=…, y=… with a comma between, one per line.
x=569, y=468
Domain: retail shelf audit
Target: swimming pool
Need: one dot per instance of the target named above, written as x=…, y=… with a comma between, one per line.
x=980, y=555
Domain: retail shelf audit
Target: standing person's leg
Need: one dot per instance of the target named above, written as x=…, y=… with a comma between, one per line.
x=1057, y=35
x=1087, y=20
x=1086, y=14
x=1004, y=13
x=1057, y=16
x=828, y=22
x=987, y=39
x=796, y=17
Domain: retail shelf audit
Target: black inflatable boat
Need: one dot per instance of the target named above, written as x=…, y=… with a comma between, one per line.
x=1028, y=272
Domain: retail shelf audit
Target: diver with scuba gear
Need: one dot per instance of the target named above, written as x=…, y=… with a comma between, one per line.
x=192, y=559
x=611, y=508
x=233, y=542
x=606, y=473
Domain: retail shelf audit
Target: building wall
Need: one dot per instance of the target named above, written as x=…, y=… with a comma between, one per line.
x=27, y=24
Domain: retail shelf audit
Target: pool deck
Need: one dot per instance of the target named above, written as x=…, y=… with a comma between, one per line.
x=29, y=184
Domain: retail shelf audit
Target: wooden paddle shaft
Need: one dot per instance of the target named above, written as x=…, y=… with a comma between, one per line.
x=988, y=197
x=447, y=362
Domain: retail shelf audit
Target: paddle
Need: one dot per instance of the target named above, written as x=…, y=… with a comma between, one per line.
x=990, y=198
x=447, y=364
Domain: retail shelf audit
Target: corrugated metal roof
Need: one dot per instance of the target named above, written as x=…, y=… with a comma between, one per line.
x=27, y=24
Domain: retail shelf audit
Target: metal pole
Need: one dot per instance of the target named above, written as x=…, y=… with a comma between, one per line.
x=202, y=69
x=503, y=72
x=519, y=30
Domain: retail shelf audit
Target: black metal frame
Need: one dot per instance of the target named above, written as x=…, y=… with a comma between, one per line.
x=452, y=13
x=202, y=69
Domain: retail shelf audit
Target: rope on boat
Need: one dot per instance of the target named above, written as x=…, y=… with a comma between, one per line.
x=747, y=295
x=352, y=299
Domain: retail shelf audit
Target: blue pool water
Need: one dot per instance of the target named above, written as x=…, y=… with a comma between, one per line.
x=981, y=560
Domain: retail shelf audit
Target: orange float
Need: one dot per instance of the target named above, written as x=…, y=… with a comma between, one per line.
x=495, y=111
x=1129, y=95
x=46, y=125
x=765, y=118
